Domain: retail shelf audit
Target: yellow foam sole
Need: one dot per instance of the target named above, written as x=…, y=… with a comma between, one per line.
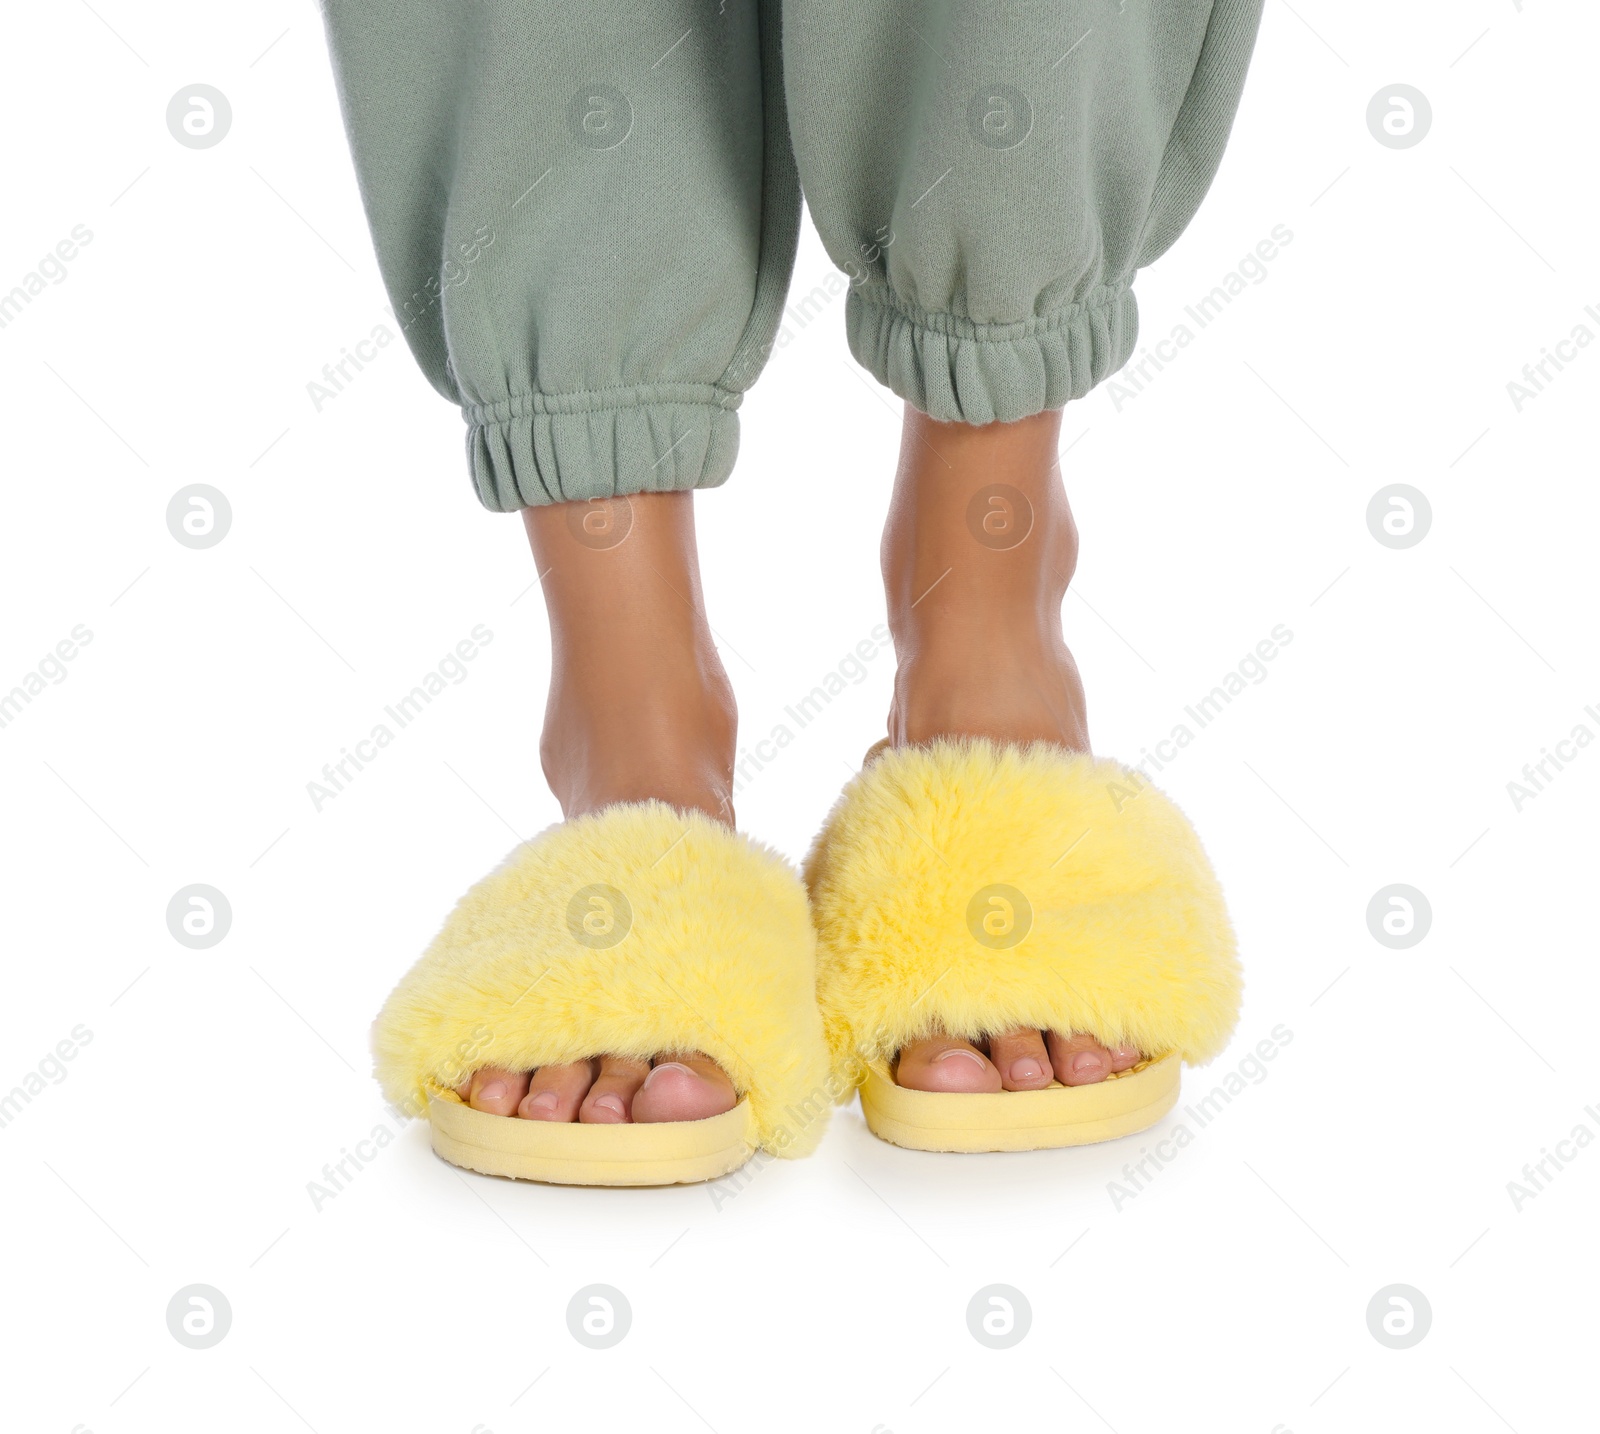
x=1046, y=1119
x=670, y=1153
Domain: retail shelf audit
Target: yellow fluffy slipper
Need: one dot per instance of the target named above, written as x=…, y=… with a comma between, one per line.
x=636, y=930
x=967, y=888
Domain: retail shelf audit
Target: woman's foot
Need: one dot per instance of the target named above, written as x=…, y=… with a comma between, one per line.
x=608, y=1090
x=977, y=554
x=1014, y=1060
x=639, y=708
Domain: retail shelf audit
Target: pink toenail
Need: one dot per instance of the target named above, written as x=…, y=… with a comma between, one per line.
x=546, y=1100
x=665, y=1066
x=1124, y=1053
x=1085, y=1063
x=613, y=1103
x=1026, y=1069
x=961, y=1051
x=495, y=1090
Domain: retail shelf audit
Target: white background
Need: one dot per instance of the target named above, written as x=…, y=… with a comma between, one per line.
x=1227, y=498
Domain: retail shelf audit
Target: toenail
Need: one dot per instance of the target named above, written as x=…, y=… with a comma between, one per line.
x=665, y=1066
x=1026, y=1069
x=962, y=1051
x=1085, y=1063
x=495, y=1090
x=613, y=1103
x=545, y=1100
x=1124, y=1053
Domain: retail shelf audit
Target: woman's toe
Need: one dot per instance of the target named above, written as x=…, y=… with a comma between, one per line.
x=555, y=1092
x=610, y=1098
x=1078, y=1059
x=943, y=1063
x=1125, y=1058
x=684, y=1086
x=1021, y=1059
x=497, y=1091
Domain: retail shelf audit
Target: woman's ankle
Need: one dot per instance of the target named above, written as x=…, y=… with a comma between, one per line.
x=977, y=553
x=663, y=731
x=640, y=707
x=1007, y=692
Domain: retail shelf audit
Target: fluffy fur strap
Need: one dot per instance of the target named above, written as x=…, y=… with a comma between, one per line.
x=630, y=932
x=968, y=887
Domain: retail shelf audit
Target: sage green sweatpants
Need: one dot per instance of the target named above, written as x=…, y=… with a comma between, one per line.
x=586, y=214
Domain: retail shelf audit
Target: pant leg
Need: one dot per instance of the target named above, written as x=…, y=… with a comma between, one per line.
x=585, y=217
x=992, y=172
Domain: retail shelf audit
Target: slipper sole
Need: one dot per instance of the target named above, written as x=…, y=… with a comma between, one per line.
x=1048, y=1119
x=681, y=1152
x=631, y=931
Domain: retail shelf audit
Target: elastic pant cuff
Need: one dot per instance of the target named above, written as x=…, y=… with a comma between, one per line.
x=959, y=371
x=533, y=449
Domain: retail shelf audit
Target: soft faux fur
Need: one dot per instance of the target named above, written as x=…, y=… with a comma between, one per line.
x=1128, y=939
x=719, y=956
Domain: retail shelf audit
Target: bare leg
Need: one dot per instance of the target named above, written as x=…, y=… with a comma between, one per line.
x=978, y=551
x=640, y=707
